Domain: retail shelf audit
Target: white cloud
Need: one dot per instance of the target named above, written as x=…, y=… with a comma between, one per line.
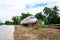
x=9, y=8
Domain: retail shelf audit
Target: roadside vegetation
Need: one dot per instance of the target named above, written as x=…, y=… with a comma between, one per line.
x=43, y=26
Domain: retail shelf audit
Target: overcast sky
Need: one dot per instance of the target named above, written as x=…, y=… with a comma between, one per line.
x=10, y=8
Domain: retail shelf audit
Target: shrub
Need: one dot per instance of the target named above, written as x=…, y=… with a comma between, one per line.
x=42, y=26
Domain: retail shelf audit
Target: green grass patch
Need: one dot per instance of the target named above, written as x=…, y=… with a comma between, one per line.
x=43, y=26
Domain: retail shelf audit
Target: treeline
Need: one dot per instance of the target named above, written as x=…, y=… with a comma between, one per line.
x=49, y=16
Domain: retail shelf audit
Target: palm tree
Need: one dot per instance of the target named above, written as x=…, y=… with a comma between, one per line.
x=47, y=10
x=52, y=14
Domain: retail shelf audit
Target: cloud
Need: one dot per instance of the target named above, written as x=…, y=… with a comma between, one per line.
x=10, y=8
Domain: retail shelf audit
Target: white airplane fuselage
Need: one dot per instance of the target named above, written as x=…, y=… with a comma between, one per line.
x=29, y=20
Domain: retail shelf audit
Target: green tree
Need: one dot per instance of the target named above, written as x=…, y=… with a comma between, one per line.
x=47, y=11
x=45, y=20
x=39, y=16
x=58, y=20
x=16, y=20
x=52, y=14
x=8, y=22
x=24, y=15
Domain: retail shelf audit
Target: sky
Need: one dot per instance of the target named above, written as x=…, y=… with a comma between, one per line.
x=10, y=8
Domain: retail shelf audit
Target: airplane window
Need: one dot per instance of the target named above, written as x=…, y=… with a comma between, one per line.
x=32, y=17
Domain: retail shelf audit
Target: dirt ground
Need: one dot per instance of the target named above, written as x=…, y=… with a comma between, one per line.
x=33, y=33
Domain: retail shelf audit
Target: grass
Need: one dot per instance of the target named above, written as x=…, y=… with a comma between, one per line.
x=40, y=34
x=43, y=26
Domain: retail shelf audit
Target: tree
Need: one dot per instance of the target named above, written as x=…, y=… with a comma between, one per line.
x=39, y=16
x=8, y=22
x=45, y=20
x=55, y=8
x=58, y=20
x=47, y=10
x=16, y=20
x=52, y=14
x=24, y=15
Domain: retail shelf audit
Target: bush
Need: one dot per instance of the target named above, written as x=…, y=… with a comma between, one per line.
x=42, y=26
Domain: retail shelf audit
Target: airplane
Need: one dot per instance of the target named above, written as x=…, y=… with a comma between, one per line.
x=29, y=20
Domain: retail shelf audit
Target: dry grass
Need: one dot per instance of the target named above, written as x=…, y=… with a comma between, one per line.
x=31, y=33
